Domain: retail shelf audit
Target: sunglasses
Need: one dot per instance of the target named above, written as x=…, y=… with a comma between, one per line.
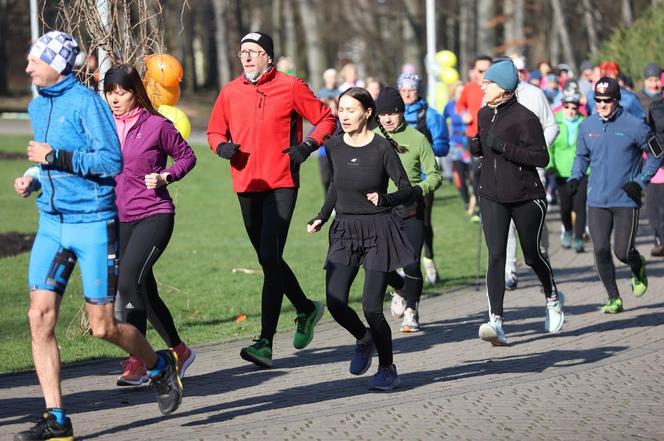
x=571, y=106
x=603, y=100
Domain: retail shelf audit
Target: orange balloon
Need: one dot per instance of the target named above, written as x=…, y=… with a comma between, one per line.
x=164, y=69
x=159, y=94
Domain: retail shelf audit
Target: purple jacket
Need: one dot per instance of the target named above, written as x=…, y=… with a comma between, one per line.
x=146, y=148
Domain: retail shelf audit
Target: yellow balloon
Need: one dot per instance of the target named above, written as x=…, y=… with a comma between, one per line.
x=446, y=58
x=449, y=75
x=178, y=118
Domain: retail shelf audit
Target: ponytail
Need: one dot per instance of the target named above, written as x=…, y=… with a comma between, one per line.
x=395, y=145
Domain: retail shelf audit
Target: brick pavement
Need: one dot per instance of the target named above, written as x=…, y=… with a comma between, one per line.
x=601, y=378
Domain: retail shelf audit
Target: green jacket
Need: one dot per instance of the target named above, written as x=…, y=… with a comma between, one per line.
x=561, y=151
x=419, y=161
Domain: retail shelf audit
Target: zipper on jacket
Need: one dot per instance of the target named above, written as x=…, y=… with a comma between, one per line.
x=48, y=169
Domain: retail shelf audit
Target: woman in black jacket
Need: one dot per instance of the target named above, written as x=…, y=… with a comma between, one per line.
x=511, y=141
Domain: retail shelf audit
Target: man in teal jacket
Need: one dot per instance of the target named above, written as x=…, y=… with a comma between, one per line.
x=612, y=142
x=78, y=153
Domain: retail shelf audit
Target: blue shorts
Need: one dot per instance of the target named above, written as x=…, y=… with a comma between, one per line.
x=58, y=246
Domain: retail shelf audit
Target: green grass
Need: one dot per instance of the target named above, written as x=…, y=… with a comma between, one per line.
x=196, y=272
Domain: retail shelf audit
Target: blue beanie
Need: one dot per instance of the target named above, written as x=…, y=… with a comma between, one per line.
x=504, y=74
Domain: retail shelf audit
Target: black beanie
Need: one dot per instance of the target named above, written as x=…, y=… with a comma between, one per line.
x=261, y=39
x=389, y=101
x=607, y=87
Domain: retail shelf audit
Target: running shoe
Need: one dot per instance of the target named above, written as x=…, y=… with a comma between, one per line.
x=579, y=245
x=492, y=331
x=47, y=428
x=186, y=357
x=398, y=305
x=613, y=306
x=554, y=316
x=361, y=361
x=305, y=324
x=410, y=321
x=640, y=281
x=566, y=239
x=657, y=251
x=260, y=353
x=133, y=373
x=167, y=383
x=430, y=271
x=511, y=282
x=385, y=379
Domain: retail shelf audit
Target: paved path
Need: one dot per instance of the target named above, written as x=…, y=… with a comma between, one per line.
x=601, y=378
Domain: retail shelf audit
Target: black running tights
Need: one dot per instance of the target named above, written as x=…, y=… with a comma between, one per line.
x=141, y=244
x=529, y=218
x=411, y=285
x=576, y=203
x=428, y=227
x=339, y=279
x=266, y=217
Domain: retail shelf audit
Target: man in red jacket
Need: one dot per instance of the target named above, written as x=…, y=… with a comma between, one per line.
x=256, y=123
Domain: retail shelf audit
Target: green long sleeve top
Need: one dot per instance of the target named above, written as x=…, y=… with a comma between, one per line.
x=419, y=161
x=563, y=149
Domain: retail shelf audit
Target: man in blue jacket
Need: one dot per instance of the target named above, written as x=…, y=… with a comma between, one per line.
x=78, y=153
x=427, y=120
x=612, y=142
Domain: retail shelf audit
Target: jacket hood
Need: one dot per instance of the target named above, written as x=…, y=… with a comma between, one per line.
x=58, y=88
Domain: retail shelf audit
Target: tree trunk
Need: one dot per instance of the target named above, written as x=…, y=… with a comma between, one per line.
x=4, y=38
x=626, y=13
x=486, y=35
x=561, y=26
x=590, y=26
x=290, y=32
x=465, y=49
x=220, y=10
x=277, y=30
x=314, y=45
x=413, y=36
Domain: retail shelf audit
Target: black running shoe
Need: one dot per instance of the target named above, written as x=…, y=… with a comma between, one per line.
x=47, y=429
x=167, y=383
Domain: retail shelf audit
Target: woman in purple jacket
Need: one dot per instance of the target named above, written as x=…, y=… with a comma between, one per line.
x=145, y=209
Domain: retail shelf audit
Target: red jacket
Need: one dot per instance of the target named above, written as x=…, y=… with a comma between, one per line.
x=265, y=118
x=471, y=102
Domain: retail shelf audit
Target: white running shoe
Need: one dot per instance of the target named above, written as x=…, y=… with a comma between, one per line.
x=411, y=322
x=493, y=331
x=398, y=305
x=554, y=316
x=430, y=271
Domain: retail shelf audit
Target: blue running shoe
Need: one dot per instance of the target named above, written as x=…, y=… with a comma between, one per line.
x=385, y=379
x=361, y=361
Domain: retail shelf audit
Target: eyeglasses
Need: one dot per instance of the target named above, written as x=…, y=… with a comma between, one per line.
x=604, y=100
x=250, y=53
x=571, y=106
x=481, y=71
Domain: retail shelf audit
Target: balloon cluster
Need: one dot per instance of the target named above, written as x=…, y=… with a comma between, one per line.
x=447, y=60
x=163, y=74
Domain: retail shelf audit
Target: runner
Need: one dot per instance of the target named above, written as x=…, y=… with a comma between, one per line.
x=254, y=120
x=511, y=141
x=611, y=141
x=418, y=160
x=364, y=232
x=419, y=115
x=655, y=190
x=78, y=153
x=145, y=210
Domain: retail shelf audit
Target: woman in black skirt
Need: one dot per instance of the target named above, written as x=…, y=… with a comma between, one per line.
x=364, y=231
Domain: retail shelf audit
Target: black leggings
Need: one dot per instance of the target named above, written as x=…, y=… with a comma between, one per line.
x=428, y=227
x=463, y=172
x=413, y=226
x=655, y=209
x=529, y=218
x=624, y=222
x=141, y=244
x=576, y=203
x=266, y=217
x=339, y=279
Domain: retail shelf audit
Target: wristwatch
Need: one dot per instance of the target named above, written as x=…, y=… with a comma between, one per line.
x=50, y=157
x=169, y=178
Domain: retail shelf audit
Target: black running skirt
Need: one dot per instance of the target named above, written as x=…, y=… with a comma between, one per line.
x=375, y=241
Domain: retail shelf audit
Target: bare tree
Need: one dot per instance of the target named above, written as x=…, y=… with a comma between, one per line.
x=312, y=39
x=486, y=35
x=290, y=32
x=561, y=29
x=514, y=20
x=220, y=10
x=590, y=26
x=626, y=12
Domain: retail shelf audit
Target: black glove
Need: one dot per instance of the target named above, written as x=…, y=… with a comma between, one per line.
x=417, y=192
x=227, y=150
x=475, y=146
x=572, y=186
x=497, y=145
x=633, y=190
x=299, y=153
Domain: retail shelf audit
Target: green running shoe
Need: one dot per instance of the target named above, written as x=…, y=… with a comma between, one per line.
x=640, y=281
x=613, y=306
x=260, y=353
x=305, y=324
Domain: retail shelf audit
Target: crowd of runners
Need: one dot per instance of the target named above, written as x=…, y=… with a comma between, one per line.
x=513, y=141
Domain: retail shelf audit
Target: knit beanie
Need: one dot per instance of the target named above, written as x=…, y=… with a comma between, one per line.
x=652, y=70
x=409, y=81
x=389, y=101
x=56, y=49
x=504, y=74
x=261, y=39
x=607, y=87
